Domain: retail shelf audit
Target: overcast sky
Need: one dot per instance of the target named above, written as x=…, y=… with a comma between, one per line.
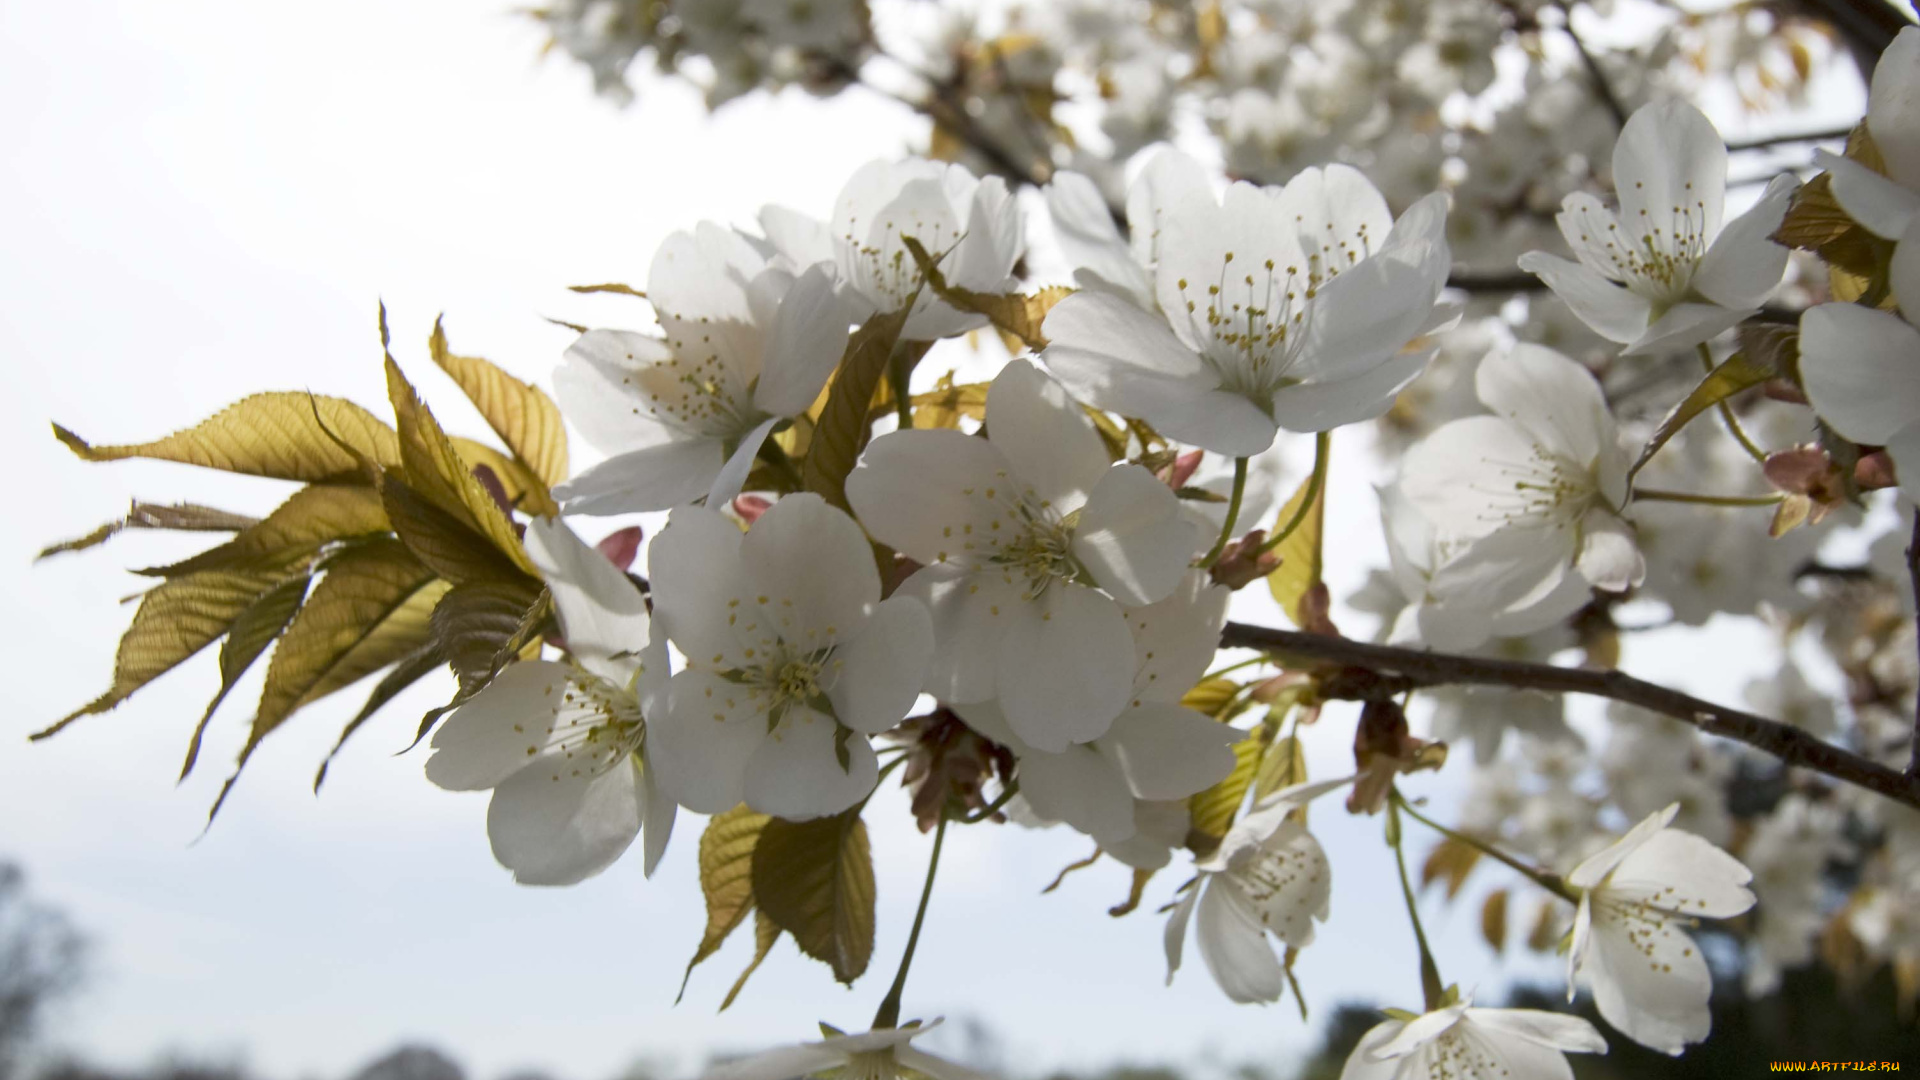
x=208, y=199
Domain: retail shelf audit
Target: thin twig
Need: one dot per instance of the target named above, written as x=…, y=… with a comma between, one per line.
x=1767, y=141
x=1601, y=87
x=1913, y=571
x=1380, y=672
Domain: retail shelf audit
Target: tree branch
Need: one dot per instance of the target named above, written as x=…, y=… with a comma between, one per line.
x=1601, y=86
x=1377, y=672
x=1793, y=137
x=1913, y=571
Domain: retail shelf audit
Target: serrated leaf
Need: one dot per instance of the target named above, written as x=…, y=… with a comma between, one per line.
x=1212, y=696
x=442, y=540
x=411, y=669
x=843, y=428
x=1738, y=372
x=946, y=404
x=175, y=620
x=1283, y=765
x=315, y=515
x=281, y=435
x=1450, y=861
x=815, y=880
x=1493, y=920
x=1214, y=809
x=1019, y=315
x=370, y=609
x=765, y=933
x=726, y=880
x=1814, y=217
x=1300, y=554
x=474, y=625
x=522, y=414
x=256, y=628
x=180, y=517
x=434, y=469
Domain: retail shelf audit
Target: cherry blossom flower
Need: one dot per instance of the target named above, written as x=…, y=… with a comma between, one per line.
x=1278, y=308
x=746, y=345
x=1885, y=204
x=1461, y=1042
x=564, y=746
x=882, y=1054
x=1664, y=273
x=1157, y=749
x=947, y=209
x=793, y=660
x=1269, y=876
x=1861, y=367
x=1629, y=936
x=1029, y=542
x=1550, y=464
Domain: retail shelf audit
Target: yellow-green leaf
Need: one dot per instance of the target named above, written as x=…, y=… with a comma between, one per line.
x=1283, y=765
x=1013, y=313
x=440, y=539
x=281, y=435
x=522, y=414
x=611, y=287
x=1214, y=809
x=765, y=933
x=474, y=627
x=945, y=404
x=815, y=880
x=176, y=619
x=313, y=516
x=1300, y=554
x=843, y=428
x=1736, y=373
x=726, y=879
x=1450, y=861
x=435, y=470
x=182, y=517
x=1212, y=696
x=1493, y=920
x=251, y=633
x=411, y=669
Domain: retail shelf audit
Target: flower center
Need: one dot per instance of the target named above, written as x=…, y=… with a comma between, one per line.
x=1548, y=490
x=1041, y=553
x=871, y=1065
x=786, y=676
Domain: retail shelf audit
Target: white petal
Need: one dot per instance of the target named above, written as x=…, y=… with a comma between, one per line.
x=659, y=812
x=1112, y=353
x=923, y=493
x=812, y=571
x=552, y=824
x=1893, y=106
x=1744, y=264
x=1669, y=156
x=1175, y=936
x=1681, y=872
x=1554, y=398
x=1506, y=1056
x=938, y=1068
x=1236, y=950
x=1133, y=537
x=881, y=670
x=1609, y=555
x=1081, y=787
x=1171, y=752
x=1362, y=1065
x=1323, y=406
x=1653, y=985
x=1593, y=232
x=1462, y=478
x=803, y=240
x=796, y=772
x=702, y=276
x=598, y=391
x=1175, y=639
x=1594, y=869
x=702, y=745
x=486, y=740
x=1373, y=309
x=603, y=615
x=1166, y=188
x=784, y=1063
x=739, y=465
x=985, y=718
x=1861, y=370
x=1420, y=1031
x=698, y=585
x=806, y=340
x=1084, y=229
x=1881, y=206
x=1065, y=666
x=1285, y=883
x=995, y=232
x=657, y=477
x=1904, y=271
x=1557, y=1030
x=968, y=628
x=1684, y=326
x=1905, y=446
x=1046, y=436
x=1608, y=309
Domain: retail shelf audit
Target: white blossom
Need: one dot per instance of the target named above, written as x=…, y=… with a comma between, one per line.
x=1461, y=1042
x=565, y=747
x=881, y=1054
x=793, y=660
x=1884, y=204
x=1861, y=367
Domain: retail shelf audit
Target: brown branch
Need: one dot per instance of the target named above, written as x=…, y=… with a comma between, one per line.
x=1601, y=87
x=1769, y=141
x=1377, y=672
x=1913, y=571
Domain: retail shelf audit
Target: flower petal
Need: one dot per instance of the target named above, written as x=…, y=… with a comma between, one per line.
x=1169, y=751
x=796, y=772
x=783, y=1063
x=657, y=477
x=938, y=1068
x=812, y=571
x=1046, y=436
x=1595, y=868
x=699, y=585
x=1670, y=158
x=659, y=811
x=739, y=465
x=1684, y=326
x=1082, y=787
x=1880, y=206
x=881, y=670
x=1234, y=945
x=1285, y=883
x=1083, y=227
x=1744, y=264
x=1681, y=872
x=1175, y=639
x=1609, y=557
x=1065, y=666
x=807, y=338
x=922, y=493
x=602, y=613
x=487, y=739
x=1559, y=1031
x=1904, y=271
x=968, y=628
x=1174, y=937
x=1608, y=310
x=704, y=741
x=1652, y=983
x=596, y=384
x=1133, y=537
x=1363, y=1065
x=1893, y=106
x=1325, y=405
x=1555, y=399
x=1860, y=370
x=553, y=824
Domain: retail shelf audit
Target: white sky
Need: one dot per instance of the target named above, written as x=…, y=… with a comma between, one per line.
x=205, y=199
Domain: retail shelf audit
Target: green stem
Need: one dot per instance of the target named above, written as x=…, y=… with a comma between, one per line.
x=1430, y=985
x=1233, y=513
x=1726, y=413
x=1539, y=877
x=889, y=1014
x=1322, y=450
x=902, y=375
x=994, y=807
x=1657, y=495
x=1231, y=668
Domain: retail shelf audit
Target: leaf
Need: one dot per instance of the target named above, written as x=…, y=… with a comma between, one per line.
x=370, y=609
x=1449, y=861
x=474, y=625
x=522, y=414
x=440, y=539
x=726, y=880
x=1545, y=921
x=765, y=933
x=175, y=620
x=281, y=435
x=1013, y=313
x=434, y=469
x=523, y=489
x=411, y=669
x=1214, y=809
x=1212, y=696
x=1300, y=554
x=1493, y=920
x=251, y=633
x=611, y=286
x=843, y=428
x=183, y=517
x=815, y=880
x=1283, y=765
x=315, y=515
x=465, y=644
x=1738, y=372
x=945, y=404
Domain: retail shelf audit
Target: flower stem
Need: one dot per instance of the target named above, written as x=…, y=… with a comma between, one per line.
x=992, y=808
x=901, y=372
x=1233, y=513
x=1539, y=877
x=1322, y=450
x=1726, y=413
x=1657, y=495
x=889, y=1014
x=1231, y=668
x=1430, y=985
